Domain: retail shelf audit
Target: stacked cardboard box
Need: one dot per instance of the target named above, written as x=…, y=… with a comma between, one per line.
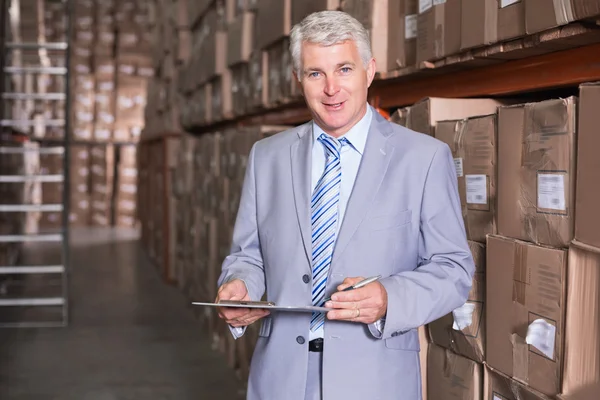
x=582, y=326
x=126, y=184
x=203, y=177
x=458, y=340
x=111, y=64
x=171, y=48
x=102, y=179
x=154, y=205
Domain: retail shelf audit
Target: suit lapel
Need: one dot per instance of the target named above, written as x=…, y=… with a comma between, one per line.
x=301, y=170
x=374, y=164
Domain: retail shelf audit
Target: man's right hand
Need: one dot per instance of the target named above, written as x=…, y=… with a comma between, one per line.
x=238, y=317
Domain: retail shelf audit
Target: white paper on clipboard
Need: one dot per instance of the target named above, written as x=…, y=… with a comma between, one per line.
x=270, y=306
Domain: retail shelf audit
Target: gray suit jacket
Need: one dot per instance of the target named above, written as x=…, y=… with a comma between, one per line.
x=403, y=221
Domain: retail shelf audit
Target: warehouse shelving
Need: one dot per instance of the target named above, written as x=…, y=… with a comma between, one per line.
x=561, y=57
x=35, y=287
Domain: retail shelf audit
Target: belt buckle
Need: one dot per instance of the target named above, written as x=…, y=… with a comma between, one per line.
x=316, y=345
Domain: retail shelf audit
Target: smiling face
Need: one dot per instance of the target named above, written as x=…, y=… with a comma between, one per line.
x=335, y=83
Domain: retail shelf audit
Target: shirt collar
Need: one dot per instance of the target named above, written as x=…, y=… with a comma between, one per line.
x=357, y=135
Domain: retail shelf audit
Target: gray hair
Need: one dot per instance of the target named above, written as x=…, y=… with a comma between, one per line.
x=327, y=28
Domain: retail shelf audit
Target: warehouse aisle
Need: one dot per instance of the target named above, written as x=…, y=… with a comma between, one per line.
x=130, y=337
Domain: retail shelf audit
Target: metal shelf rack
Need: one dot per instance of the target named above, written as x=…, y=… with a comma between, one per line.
x=33, y=287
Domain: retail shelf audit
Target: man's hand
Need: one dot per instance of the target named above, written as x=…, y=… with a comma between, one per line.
x=237, y=317
x=366, y=304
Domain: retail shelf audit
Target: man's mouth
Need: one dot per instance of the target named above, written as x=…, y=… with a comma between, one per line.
x=334, y=106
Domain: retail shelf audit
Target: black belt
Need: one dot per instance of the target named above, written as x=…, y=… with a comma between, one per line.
x=316, y=345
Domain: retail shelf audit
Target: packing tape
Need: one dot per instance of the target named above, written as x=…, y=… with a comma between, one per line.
x=520, y=359
x=564, y=11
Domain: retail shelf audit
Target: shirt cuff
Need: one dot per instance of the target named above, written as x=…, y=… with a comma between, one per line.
x=376, y=328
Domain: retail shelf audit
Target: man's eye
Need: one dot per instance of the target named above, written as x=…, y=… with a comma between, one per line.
x=313, y=74
x=346, y=70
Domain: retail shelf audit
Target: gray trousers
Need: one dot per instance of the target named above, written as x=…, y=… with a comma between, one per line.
x=314, y=381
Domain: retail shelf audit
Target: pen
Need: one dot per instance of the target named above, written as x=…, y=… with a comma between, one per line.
x=358, y=285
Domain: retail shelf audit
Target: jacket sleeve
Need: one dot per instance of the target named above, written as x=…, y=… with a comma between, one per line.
x=245, y=259
x=443, y=277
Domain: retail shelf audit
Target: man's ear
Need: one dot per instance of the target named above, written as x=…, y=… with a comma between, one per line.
x=371, y=70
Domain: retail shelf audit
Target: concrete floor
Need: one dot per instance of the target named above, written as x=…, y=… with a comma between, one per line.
x=130, y=336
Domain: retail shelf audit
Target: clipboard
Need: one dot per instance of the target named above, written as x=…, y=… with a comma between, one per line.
x=267, y=305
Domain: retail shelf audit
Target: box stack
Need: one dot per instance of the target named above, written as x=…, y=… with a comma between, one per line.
x=102, y=180
x=522, y=320
x=154, y=203
x=171, y=48
x=110, y=63
x=126, y=184
x=208, y=173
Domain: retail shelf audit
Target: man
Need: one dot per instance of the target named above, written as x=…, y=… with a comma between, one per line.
x=346, y=196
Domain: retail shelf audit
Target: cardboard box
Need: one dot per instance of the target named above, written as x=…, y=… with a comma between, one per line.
x=479, y=23
x=536, y=182
x=439, y=30
x=452, y=377
x=240, y=39
x=587, y=199
x=541, y=14
x=511, y=19
x=473, y=145
x=400, y=116
x=384, y=19
x=497, y=386
x=425, y=114
x=302, y=8
x=241, y=89
x=525, y=312
x=408, y=30
x=582, y=328
x=259, y=79
x=128, y=156
x=273, y=21
x=463, y=330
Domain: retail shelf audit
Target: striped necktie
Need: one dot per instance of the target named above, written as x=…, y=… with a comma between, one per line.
x=324, y=219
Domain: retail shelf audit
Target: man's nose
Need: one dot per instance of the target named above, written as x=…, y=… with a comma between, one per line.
x=331, y=86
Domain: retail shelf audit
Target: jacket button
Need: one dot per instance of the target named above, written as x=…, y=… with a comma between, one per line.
x=306, y=278
x=300, y=340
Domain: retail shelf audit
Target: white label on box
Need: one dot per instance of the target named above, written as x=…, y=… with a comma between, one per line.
x=129, y=172
x=106, y=86
x=128, y=188
x=410, y=26
x=506, y=3
x=437, y=2
x=458, y=164
x=496, y=397
x=463, y=316
x=127, y=69
x=425, y=5
x=551, y=192
x=542, y=335
x=102, y=134
x=476, y=189
x=146, y=72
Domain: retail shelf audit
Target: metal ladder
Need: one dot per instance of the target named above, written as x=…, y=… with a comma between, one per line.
x=24, y=285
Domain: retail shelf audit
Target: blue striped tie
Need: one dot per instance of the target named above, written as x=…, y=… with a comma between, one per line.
x=324, y=219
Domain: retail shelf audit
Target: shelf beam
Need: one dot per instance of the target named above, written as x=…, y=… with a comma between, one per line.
x=549, y=71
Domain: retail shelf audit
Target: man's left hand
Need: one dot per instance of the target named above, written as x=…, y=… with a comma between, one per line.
x=366, y=304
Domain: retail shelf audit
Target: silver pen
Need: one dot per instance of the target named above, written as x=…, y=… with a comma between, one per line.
x=358, y=285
